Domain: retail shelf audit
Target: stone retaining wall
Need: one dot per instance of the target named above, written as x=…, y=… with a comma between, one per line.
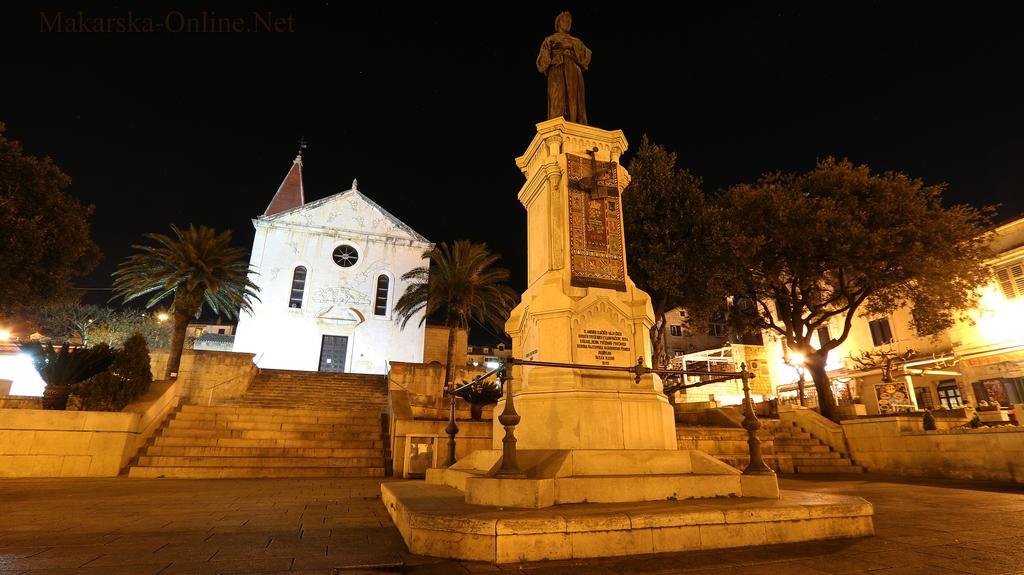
x=899, y=445
x=205, y=375
x=51, y=443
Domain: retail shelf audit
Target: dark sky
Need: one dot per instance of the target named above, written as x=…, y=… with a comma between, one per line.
x=428, y=104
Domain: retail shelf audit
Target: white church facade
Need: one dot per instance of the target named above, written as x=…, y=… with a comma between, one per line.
x=330, y=273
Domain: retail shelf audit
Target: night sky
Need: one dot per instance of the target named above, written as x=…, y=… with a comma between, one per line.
x=428, y=105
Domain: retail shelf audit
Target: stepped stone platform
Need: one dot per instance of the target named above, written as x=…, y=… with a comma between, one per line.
x=552, y=477
x=436, y=520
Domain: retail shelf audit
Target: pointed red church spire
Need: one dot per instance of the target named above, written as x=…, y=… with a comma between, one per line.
x=290, y=195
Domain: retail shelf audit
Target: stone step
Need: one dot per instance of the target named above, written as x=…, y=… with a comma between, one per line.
x=214, y=451
x=204, y=461
x=375, y=409
x=362, y=417
x=325, y=402
x=339, y=443
x=325, y=386
x=829, y=469
x=266, y=434
x=795, y=435
x=783, y=440
x=277, y=411
x=822, y=450
x=308, y=391
x=829, y=461
x=316, y=398
x=372, y=426
x=319, y=374
x=141, y=472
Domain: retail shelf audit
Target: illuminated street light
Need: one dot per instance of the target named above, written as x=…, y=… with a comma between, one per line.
x=5, y=335
x=796, y=359
x=162, y=317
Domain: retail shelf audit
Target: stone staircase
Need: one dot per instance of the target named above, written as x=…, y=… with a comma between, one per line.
x=315, y=390
x=786, y=448
x=809, y=454
x=287, y=424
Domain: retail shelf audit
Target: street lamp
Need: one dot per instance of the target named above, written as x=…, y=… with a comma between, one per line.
x=797, y=361
x=162, y=317
x=5, y=334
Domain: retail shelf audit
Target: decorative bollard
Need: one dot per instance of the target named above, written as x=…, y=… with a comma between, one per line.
x=509, y=419
x=452, y=429
x=757, y=466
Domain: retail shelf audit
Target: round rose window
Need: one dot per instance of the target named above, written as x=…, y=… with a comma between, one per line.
x=345, y=256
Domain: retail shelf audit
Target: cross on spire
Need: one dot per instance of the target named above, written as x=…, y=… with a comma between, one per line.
x=303, y=144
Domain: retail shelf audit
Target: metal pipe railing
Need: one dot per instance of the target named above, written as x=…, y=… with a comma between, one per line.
x=510, y=419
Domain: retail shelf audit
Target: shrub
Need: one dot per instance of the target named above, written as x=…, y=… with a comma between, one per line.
x=127, y=379
x=975, y=422
x=929, y=421
x=480, y=394
x=62, y=370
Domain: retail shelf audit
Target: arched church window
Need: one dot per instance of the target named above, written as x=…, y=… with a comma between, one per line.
x=380, y=306
x=298, y=287
x=346, y=256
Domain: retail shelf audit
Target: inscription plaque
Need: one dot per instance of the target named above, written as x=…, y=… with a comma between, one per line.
x=608, y=345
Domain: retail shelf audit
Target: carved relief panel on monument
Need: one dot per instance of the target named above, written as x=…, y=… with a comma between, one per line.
x=595, y=224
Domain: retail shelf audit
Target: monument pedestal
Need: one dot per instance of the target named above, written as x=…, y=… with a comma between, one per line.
x=600, y=470
x=556, y=477
x=580, y=306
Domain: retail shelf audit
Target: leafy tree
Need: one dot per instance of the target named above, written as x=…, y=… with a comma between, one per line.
x=44, y=232
x=195, y=266
x=121, y=325
x=62, y=369
x=841, y=241
x=69, y=318
x=674, y=241
x=461, y=285
x=127, y=379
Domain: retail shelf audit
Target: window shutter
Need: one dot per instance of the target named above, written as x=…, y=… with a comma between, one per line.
x=1011, y=280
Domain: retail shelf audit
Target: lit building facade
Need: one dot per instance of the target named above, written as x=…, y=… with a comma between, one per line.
x=978, y=362
x=329, y=273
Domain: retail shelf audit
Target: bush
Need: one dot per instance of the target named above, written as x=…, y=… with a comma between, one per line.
x=929, y=421
x=478, y=395
x=62, y=370
x=975, y=422
x=127, y=379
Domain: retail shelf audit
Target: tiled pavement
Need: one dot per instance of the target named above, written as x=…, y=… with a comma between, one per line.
x=306, y=526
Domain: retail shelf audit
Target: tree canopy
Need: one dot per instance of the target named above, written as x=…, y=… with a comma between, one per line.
x=674, y=240
x=44, y=231
x=461, y=285
x=195, y=266
x=840, y=241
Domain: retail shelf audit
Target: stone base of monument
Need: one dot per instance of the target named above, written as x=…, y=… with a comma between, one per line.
x=554, y=477
x=595, y=503
x=436, y=520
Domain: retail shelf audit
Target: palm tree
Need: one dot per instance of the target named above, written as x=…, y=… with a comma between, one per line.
x=460, y=284
x=195, y=266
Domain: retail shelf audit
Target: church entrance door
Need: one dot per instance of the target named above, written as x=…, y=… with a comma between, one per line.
x=332, y=353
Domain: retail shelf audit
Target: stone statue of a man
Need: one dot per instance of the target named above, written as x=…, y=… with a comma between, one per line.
x=563, y=57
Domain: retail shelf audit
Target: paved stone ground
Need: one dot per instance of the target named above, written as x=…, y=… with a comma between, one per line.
x=325, y=526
